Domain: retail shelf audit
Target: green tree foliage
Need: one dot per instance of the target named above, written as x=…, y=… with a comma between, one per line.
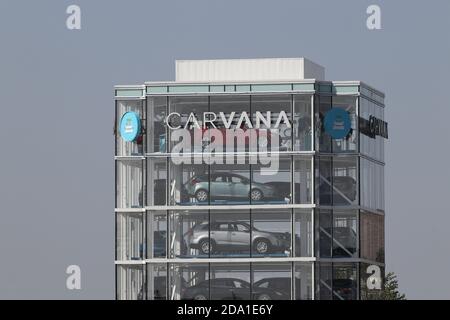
x=390, y=290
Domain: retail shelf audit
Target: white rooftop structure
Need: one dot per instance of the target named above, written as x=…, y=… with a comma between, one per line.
x=223, y=70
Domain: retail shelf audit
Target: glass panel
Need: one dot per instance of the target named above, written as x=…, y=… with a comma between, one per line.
x=345, y=284
x=157, y=89
x=323, y=140
x=345, y=177
x=229, y=184
x=157, y=181
x=230, y=281
x=189, y=184
x=188, y=89
x=303, y=280
x=130, y=282
x=324, y=223
x=271, y=233
x=303, y=233
x=372, y=185
x=242, y=88
x=271, y=281
x=157, y=133
x=189, y=282
x=129, y=184
x=276, y=104
x=230, y=233
x=372, y=236
x=324, y=281
x=232, y=108
x=345, y=234
x=302, y=180
x=371, y=146
x=350, y=142
x=157, y=282
x=189, y=232
x=157, y=234
x=271, y=87
x=302, y=123
x=189, y=114
x=129, y=93
x=324, y=186
x=303, y=86
x=130, y=236
x=272, y=184
x=136, y=147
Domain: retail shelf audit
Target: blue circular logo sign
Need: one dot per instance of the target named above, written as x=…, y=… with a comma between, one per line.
x=337, y=123
x=130, y=126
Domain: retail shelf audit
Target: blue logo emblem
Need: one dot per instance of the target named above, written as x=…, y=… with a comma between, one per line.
x=130, y=126
x=337, y=123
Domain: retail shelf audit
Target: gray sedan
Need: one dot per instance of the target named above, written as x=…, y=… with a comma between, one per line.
x=235, y=236
x=227, y=186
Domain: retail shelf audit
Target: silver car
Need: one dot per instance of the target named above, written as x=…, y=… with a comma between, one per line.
x=227, y=186
x=235, y=236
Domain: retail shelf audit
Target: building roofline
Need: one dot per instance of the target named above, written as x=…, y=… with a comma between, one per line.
x=212, y=83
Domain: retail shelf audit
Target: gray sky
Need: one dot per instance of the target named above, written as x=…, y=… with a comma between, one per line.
x=56, y=85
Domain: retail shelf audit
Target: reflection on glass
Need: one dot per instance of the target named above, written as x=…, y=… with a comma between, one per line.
x=157, y=282
x=130, y=236
x=189, y=282
x=189, y=234
x=189, y=184
x=372, y=236
x=372, y=147
x=276, y=104
x=229, y=234
x=324, y=281
x=157, y=134
x=350, y=142
x=129, y=184
x=345, y=177
x=157, y=234
x=272, y=183
x=303, y=285
x=324, y=223
x=229, y=106
x=185, y=107
x=337, y=181
x=303, y=233
x=372, y=184
x=323, y=140
x=230, y=184
x=345, y=234
x=271, y=281
x=271, y=233
x=344, y=281
x=230, y=281
x=130, y=282
x=157, y=181
x=324, y=186
x=302, y=123
x=302, y=180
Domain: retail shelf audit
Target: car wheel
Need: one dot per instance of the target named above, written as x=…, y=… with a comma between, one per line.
x=201, y=195
x=200, y=296
x=206, y=246
x=256, y=195
x=262, y=246
x=264, y=296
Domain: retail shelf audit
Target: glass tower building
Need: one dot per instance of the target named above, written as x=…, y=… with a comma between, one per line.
x=293, y=211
